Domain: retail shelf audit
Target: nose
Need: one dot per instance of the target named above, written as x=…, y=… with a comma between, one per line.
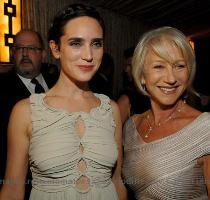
x=171, y=76
x=25, y=51
x=87, y=53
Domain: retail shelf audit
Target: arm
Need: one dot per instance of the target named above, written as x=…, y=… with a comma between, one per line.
x=124, y=106
x=116, y=178
x=206, y=168
x=17, y=154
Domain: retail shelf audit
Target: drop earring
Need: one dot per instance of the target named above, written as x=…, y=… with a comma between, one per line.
x=143, y=85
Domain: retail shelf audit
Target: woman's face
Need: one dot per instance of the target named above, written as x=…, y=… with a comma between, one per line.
x=81, y=49
x=128, y=67
x=165, y=81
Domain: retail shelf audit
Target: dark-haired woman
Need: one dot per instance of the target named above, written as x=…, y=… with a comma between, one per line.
x=70, y=136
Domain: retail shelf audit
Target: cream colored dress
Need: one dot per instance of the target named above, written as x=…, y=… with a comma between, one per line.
x=56, y=152
x=168, y=168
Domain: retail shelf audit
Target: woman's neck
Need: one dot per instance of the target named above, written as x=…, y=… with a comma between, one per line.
x=68, y=88
x=161, y=113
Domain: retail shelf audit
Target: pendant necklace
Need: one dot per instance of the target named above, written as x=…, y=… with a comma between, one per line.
x=172, y=115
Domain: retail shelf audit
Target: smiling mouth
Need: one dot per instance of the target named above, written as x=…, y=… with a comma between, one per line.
x=167, y=90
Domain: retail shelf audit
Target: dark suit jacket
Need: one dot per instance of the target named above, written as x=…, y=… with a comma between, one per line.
x=12, y=89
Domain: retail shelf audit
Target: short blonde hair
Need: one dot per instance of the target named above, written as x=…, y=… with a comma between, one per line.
x=153, y=40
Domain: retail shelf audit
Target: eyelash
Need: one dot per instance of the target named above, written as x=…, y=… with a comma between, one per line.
x=75, y=43
x=94, y=44
x=97, y=44
x=158, y=66
x=180, y=66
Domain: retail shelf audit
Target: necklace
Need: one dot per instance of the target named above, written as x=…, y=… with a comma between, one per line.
x=178, y=108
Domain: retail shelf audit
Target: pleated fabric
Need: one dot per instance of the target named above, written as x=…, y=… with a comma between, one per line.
x=55, y=152
x=168, y=168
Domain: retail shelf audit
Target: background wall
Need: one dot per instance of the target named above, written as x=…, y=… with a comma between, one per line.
x=190, y=16
x=202, y=51
x=121, y=32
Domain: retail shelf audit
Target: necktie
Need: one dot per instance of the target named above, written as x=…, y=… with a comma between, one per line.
x=38, y=87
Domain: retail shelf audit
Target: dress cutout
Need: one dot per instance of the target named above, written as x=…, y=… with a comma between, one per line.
x=72, y=154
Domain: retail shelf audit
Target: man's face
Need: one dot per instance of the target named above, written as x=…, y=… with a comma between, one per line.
x=128, y=67
x=28, y=54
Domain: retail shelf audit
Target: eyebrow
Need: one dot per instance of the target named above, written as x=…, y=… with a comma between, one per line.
x=98, y=39
x=81, y=39
x=28, y=45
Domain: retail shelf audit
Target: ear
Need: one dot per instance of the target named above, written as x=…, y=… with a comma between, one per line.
x=54, y=49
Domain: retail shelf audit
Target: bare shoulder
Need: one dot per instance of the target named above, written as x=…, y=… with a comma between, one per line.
x=138, y=118
x=20, y=117
x=123, y=99
x=187, y=115
x=22, y=106
x=190, y=113
x=114, y=105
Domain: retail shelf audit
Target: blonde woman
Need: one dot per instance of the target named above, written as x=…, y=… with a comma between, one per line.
x=166, y=148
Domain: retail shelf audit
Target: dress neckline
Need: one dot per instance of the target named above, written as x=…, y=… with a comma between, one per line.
x=166, y=138
x=93, y=109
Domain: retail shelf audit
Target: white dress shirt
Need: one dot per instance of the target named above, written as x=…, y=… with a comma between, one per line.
x=30, y=86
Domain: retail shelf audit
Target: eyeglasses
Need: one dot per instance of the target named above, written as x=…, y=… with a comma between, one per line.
x=29, y=49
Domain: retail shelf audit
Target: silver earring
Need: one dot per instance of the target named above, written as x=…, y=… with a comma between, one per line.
x=143, y=86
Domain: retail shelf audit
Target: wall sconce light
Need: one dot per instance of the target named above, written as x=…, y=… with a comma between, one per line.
x=10, y=24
